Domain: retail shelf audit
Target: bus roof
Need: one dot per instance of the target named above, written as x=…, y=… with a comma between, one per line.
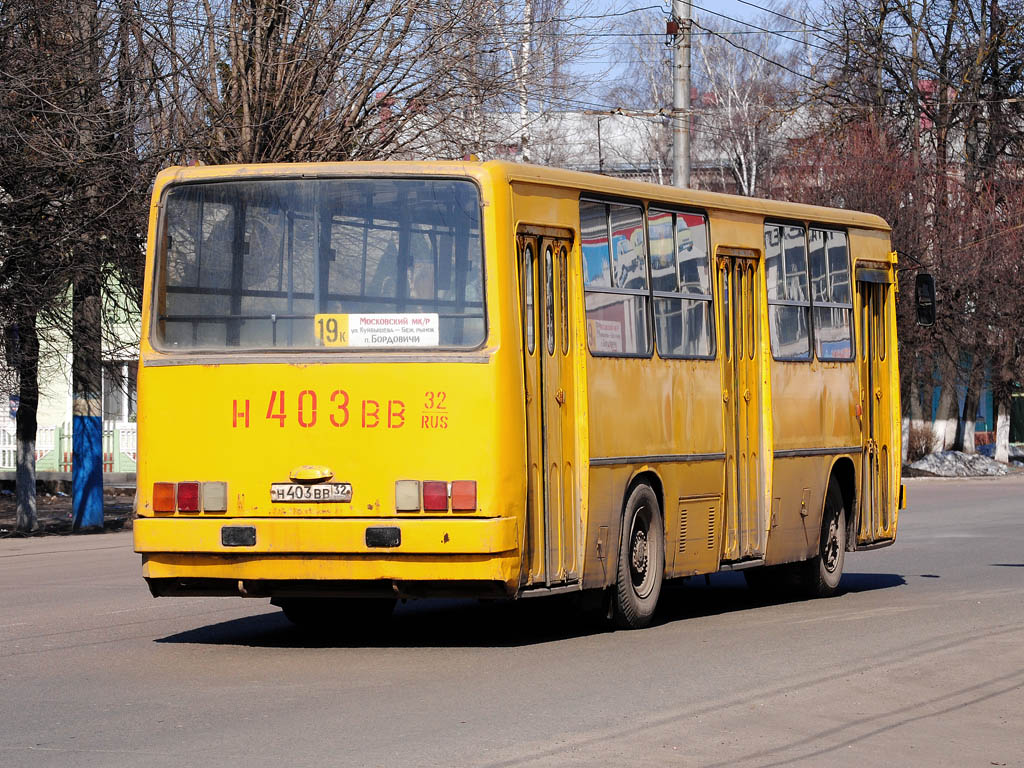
x=591, y=182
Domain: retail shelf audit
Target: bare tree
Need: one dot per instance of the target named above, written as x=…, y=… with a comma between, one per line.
x=747, y=97
x=70, y=192
x=273, y=80
x=644, y=92
x=942, y=79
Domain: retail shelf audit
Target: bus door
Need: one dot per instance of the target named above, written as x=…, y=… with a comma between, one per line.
x=875, y=520
x=745, y=530
x=553, y=525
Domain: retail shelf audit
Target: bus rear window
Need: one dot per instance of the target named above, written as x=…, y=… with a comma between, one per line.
x=340, y=263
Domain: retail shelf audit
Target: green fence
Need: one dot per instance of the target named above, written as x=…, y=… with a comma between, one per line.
x=54, y=445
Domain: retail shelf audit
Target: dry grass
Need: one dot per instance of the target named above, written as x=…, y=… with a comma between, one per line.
x=919, y=441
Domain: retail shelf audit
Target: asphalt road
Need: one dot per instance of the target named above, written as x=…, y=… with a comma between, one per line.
x=919, y=662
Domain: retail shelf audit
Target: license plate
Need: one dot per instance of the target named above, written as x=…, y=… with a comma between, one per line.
x=318, y=492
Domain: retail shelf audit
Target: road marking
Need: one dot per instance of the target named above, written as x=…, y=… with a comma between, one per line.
x=127, y=610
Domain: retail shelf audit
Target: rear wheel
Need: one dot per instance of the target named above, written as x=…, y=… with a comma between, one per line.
x=822, y=574
x=332, y=614
x=641, y=565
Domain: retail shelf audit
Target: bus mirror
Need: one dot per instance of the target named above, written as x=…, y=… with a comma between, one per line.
x=924, y=299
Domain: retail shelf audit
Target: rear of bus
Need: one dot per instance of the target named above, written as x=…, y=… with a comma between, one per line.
x=324, y=405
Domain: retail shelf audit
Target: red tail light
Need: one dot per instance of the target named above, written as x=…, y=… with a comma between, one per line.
x=463, y=495
x=163, y=497
x=188, y=497
x=435, y=496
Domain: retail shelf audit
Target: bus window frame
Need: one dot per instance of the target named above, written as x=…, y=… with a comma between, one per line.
x=812, y=355
x=809, y=305
x=398, y=355
x=712, y=273
x=644, y=293
x=831, y=304
x=528, y=301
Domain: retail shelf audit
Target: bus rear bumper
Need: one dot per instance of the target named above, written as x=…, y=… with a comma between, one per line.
x=329, y=556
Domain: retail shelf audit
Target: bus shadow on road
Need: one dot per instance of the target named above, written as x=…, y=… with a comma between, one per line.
x=420, y=623
x=728, y=593
x=472, y=623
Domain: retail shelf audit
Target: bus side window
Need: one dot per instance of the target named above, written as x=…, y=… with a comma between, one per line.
x=681, y=282
x=563, y=266
x=528, y=308
x=883, y=341
x=789, y=305
x=726, y=314
x=549, y=299
x=616, y=296
x=831, y=295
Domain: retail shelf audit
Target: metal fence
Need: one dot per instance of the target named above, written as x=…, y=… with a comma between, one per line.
x=54, y=447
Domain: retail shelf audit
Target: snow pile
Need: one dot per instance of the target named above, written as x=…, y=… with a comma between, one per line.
x=957, y=464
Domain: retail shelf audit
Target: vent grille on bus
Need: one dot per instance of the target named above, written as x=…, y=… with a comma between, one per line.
x=682, y=530
x=711, y=528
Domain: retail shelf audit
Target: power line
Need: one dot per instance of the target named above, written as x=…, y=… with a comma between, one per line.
x=769, y=61
x=780, y=15
x=760, y=28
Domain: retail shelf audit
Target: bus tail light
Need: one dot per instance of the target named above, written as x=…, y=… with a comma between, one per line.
x=435, y=496
x=188, y=497
x=163, y=497
x=407, y=495
x=215, y=497
x=463, y=495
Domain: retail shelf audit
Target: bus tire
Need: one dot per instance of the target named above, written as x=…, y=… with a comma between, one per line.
x=641, y=567
x=822, y=573
x=327, y=614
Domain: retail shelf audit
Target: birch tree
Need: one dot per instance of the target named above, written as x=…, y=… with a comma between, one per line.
x=748, y=95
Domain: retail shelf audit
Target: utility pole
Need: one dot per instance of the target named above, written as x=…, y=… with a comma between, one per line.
x=679, y=28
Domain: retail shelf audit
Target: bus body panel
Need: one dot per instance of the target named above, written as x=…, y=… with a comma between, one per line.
x=878, y=510
x=371, y=419
x=659, y=420
x=814, y=409
x=369, y=424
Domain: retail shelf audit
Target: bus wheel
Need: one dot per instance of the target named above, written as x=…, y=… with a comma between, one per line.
x=822, y=573
x=330, y=614
x=641, y=560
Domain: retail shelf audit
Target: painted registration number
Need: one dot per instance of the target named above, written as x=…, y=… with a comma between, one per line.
x=320, y=492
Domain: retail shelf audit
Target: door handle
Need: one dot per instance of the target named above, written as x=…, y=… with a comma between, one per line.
x=560, y=397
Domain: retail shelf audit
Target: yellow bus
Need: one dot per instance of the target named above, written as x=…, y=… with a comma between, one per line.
x=360, y=382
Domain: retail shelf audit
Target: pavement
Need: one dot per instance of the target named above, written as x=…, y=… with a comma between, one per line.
x=53, y=510
x=918, y=662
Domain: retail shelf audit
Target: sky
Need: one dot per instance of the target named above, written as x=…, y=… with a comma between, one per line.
x=611, y=39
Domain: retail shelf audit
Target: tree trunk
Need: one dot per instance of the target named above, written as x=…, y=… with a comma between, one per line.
x=25, y=430
x=87, y=426
x=968, y=417
x=915, y=419
x=945, y=416
x=1003, y=430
